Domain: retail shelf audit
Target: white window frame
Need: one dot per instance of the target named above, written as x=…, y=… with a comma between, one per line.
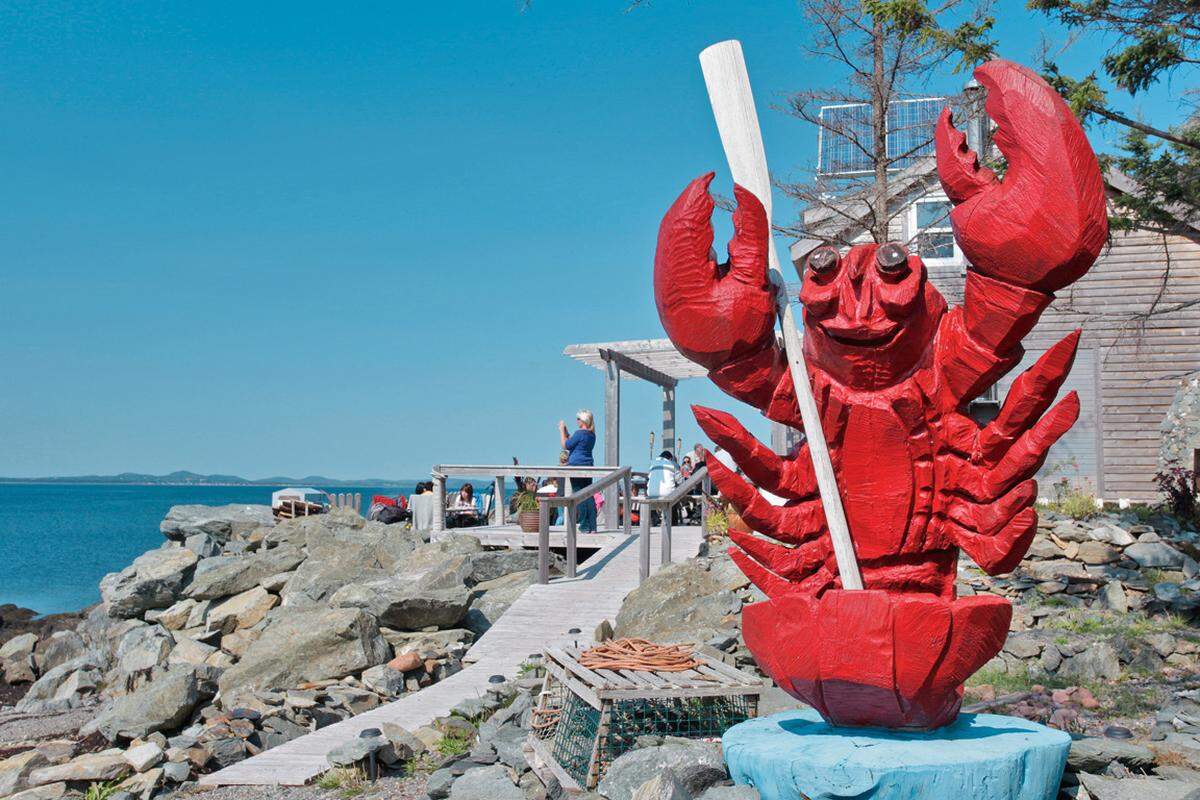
x=957, y=259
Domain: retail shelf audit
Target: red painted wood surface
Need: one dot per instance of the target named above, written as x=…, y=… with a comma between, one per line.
x=893, y=369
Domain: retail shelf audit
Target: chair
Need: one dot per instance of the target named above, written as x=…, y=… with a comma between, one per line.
x=423, y=508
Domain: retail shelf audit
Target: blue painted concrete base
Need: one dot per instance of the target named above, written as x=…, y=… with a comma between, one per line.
x=979, y=757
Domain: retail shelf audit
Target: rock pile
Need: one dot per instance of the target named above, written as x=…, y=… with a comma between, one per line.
x=479, y=752
x=239, y=634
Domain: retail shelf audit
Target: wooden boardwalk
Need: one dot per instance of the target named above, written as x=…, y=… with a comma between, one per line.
x=540, y=618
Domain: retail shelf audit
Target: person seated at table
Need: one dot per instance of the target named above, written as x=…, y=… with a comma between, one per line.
x=465, y=499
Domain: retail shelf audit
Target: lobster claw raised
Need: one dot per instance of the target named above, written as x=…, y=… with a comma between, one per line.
x=1042, y=225
x=714, y=313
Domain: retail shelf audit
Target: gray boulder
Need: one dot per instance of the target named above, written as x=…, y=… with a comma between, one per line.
x=1094, y=754
x=223, y=576
x=355, y=750
x=403, y=605
x=697, y=766
x=327, y=569
x=106, y=765
x=663, y=786
x=730, y=793
x=1099, y=661
x=307, y=644
x=56, y=688
x=143, y=648
x=203, y=545
x=153, y=580
x=220, y=522
x=16, y=658
x=384, y=680
x=438, y=784
x=15, y=771
x=440, y=565
x=687, y=601
x=485, y=783
x=1154, y=554
x=492, y=598
x=493, y=564
x=59, y=648
x=162, y=704
x=1137, y=788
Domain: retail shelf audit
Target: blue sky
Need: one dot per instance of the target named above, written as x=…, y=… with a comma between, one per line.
x=353, y=239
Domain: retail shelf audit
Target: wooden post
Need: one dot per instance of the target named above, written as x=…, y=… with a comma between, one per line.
x=439, y=501
x=737, y=123
x=628, y=503
x=612, y=436
x=498, y=501
x=358, y=503
x=705, y=491
x=665, y=558
x=644, y=545
x=669, y=417
x=544, y=541
x=572, y=559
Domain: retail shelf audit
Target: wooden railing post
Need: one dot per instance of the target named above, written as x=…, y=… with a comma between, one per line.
x=667, y=512
x=644, y=544
x=572, y=557
x=544, y=542
x=704, y=495
x=498, y=500
x=628, y=501
x=439, y=501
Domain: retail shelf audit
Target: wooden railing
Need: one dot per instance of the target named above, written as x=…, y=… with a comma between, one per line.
x=665, y=506
x=602, y=477
x=346, y=500
x=570, y=503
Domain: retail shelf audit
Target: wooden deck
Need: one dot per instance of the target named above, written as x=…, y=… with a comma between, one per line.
x=513, y=536
x=540, y=618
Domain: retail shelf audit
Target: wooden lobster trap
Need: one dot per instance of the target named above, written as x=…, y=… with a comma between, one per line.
x=585, y=718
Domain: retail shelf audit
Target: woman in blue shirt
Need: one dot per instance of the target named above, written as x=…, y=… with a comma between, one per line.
x=579, y=447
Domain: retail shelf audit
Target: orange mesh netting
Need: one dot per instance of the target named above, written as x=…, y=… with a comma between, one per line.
x=639, y=654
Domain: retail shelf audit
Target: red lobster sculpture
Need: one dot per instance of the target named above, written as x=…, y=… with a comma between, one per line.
x=892, y=370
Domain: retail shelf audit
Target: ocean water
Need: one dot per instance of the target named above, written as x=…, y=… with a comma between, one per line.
x=58, y=540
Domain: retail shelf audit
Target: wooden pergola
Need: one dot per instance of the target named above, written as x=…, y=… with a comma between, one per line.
x=655, y=361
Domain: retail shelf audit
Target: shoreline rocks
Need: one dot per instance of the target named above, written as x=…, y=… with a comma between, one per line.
x=239, y=634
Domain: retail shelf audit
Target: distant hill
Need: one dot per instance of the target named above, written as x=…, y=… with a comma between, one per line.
x=185, y=478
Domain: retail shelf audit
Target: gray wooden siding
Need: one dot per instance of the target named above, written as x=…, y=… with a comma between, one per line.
x=1075, y=455
x=1139, y=308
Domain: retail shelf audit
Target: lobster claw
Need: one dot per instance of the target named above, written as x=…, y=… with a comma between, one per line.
x=714, y=313
x=1042, y=225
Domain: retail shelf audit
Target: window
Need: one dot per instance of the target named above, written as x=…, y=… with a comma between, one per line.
x=932, y=234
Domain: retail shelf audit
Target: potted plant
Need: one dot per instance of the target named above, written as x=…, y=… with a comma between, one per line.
x=527, y=511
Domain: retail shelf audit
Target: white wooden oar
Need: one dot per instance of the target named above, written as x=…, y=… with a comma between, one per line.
x=737, y=121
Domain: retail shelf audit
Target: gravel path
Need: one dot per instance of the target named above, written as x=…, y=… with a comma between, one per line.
x=383, y=789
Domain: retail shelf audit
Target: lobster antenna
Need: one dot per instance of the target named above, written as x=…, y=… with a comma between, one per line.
x=732, y=101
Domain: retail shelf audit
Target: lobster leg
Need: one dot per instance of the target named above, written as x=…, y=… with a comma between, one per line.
x=795, y=523
x=792, y=563
x=791, y=477
x=1028, y=453
x=1028, y=398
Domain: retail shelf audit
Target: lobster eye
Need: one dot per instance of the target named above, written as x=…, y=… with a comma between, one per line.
x=891, y=258
x=823, y=260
